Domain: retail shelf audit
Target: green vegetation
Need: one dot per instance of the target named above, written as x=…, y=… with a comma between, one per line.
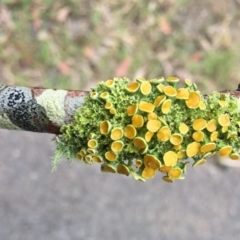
x=146, y=126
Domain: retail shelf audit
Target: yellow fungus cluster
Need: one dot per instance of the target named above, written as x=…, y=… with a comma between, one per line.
x=144, y=127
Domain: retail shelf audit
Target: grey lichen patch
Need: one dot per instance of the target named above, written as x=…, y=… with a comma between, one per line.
x=29, y=116
x=53, y=102
x=6, y=123
x=71, y=105
x=11, y=97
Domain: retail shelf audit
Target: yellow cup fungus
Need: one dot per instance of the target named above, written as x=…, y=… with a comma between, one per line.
x=116, y=133
x=146, y=106
x=133, y=87
x=146, y=127
x=130, y=131
x=137, y=121
x=164, y=134
x=193, y=100
x=123, y=169
x=131, y=110
x=166, y=106
x=146, y=88
x=153, y=125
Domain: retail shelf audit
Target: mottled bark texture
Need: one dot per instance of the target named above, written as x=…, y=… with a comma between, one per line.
x=37, y=109
x=43, y=110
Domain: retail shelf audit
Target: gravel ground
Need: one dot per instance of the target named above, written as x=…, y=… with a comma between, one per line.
x=79, y=202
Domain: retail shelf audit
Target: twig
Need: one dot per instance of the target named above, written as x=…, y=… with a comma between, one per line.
x=37, y=109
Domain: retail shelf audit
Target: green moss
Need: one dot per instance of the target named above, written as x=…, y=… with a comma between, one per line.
x=76, y=135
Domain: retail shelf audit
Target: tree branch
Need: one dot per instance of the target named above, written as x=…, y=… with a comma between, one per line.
x=43, y=110
x=37, y=109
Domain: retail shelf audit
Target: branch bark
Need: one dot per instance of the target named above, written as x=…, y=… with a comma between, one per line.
x=43, y=110
x=37, y=109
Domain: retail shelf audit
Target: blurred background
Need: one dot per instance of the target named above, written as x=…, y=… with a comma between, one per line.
x=74, y=44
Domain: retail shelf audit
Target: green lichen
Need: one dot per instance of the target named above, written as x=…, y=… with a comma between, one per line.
x=141, y=123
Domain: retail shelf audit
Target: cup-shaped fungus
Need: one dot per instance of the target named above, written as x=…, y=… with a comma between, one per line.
x=83, y=152
x=224, y=120
x=146, y=106
x=79, y=156
x=92, y=143
x=166, y=106
x=159, y=100
x=109, y=83
x=202, y=105
x=137, y=121
x=192, y=149
x=108, y=168
x=181, y=154
x=176, y=139
x=138, y=163
x=170, y=91
x=108, y=105
x=93, y=95
x=167, y=179
x=193, y=100
x=112, y=111
x=183, y=128
x=198, y=136
x=156, y=81
x=225, y=151
x=160, y=87
x=188, y=82
x=234, y=156
x=150, y=161
x=211, y=125
x=130, y=131
x=172, y=79
x=88, y=159
x=133, y=87
x=214, y=136
x=199, y=124
x=182, y=93
x=148, y=136
x=208, y=147
x=97, y=159
x=175, y=173
x=153, y=125
x=146, y=88
x=123, y=169
x=223, y=103
x=105, y=127
x=199, y=162
x=92, y=151
x=111, y=156
x=177, y=147
x=152, y=116
x=131, y=110
x=232, y=134
x=104, y=95
x=117, y=146
x=224, y=129
x=148, y=173
x=164, y=134
x=165, y=169
x=116, y=133
x=139, y=142
x=170, y=158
